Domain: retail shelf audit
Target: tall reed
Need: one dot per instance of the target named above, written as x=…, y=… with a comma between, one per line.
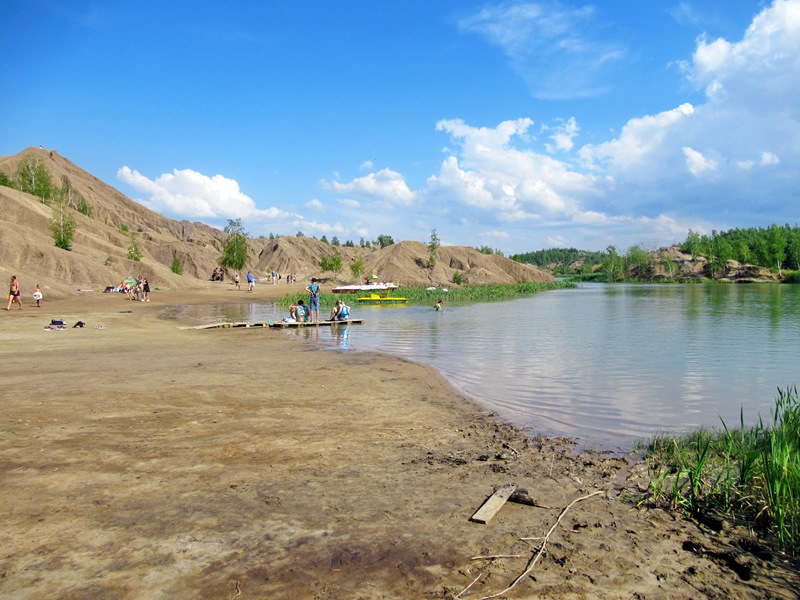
x=748, y=473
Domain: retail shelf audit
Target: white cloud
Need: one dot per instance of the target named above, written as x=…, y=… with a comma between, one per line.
x=555, y=49
x=189, y=194
x=385, y=186
x=641, y=141
x=768, y=51
x=697, y=163
x=564, y=136
x=315, y=204
x=498, y=235
x=768, y=158
x=493, y=174
x=314, y=227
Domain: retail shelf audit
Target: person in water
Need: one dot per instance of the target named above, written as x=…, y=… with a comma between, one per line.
x=298, y=311
x=440, y=305
x=340, y=311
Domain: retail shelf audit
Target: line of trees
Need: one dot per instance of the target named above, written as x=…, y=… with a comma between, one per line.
x=776, y=247
x=561, y=259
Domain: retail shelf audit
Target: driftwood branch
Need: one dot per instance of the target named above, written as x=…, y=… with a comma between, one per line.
x=474, y=581
x=535, y=558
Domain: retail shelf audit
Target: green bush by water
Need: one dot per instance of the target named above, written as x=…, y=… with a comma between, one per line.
x=747, y=473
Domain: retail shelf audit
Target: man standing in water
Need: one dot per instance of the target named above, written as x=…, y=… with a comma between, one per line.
x=313, y=307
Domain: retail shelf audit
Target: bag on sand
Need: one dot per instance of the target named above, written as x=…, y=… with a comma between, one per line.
x=79, y=324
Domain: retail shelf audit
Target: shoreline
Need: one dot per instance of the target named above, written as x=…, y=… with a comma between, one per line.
x=142, y=460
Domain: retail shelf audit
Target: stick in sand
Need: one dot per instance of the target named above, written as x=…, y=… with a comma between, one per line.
x=538, y=555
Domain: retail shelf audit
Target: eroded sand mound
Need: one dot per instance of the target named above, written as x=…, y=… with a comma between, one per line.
x=99, y=255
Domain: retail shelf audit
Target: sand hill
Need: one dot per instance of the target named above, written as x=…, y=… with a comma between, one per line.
x=99, y=251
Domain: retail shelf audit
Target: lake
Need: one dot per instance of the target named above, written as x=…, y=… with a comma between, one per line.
x=605, y=364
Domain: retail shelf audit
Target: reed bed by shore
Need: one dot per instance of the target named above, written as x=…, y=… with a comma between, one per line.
x=745, y=474
x=418, y=295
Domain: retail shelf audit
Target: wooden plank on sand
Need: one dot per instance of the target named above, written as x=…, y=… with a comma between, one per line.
x=494, y=503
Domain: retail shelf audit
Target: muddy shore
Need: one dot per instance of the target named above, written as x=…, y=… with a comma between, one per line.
x=142, y=460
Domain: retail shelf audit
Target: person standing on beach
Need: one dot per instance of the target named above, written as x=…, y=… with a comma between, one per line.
x=236, y=280
x=37, y=295
x=313, y=305
x=250, y=281
x=13, y=293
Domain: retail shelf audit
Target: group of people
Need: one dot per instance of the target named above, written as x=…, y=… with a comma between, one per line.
x=15, y=294
x=251, y=281
x=140, y=290
x=301, y=313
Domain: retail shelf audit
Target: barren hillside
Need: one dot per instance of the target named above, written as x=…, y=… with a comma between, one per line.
x=99, y=251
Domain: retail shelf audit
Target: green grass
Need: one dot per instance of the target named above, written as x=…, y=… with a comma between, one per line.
x=474, y=293
x=751, y=474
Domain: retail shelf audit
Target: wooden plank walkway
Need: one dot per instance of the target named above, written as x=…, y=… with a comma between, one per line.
x=227, y=325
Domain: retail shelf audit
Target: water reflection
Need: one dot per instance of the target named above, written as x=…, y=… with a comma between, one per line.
x=607, y=364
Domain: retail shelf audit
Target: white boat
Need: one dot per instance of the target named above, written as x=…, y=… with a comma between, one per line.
x=367, y=287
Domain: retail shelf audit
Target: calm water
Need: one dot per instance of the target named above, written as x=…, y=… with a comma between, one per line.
x=607, y=364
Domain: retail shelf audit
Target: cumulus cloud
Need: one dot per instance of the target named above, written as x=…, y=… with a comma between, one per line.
x=556, y=50
x=697, y=163
x=315, y=204
x=641, y=142
x=192, y=195
x=383, y=186
x=563, y=136
x=497, y=172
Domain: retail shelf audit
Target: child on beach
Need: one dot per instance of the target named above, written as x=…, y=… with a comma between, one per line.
x=37, y=295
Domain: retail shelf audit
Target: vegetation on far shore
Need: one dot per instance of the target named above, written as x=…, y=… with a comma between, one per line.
x=750, y=475
x=423, y=296
x=776, y=248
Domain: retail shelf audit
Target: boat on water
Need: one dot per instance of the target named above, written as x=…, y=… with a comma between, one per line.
x=375, y=292
x=367, y=287
x=382, y=299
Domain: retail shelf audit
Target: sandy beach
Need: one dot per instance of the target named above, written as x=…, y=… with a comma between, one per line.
x=144, y=460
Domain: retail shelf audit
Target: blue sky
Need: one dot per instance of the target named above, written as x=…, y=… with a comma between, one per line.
x=514, y=125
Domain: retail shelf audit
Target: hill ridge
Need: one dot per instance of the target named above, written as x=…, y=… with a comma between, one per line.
x=100, y=248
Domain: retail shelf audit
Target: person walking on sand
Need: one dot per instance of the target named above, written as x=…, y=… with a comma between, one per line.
x=313, y=305
x=13, y=293
x=37, y=295
x=236, y=281
x=251, y=284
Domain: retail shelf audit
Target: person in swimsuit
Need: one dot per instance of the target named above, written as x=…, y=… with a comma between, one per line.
x=13, y=293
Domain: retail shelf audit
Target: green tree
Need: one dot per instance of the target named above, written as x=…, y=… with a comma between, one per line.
x=324, y=239
x=234, y=250
x=5, y=181
x=134, y=249
x=384, y=241
x=777, y=241
x=612, y=264
x=357, y=267
x=334, y=241
x=33, y=178
x=331, y=263
x=433, y=246
x=692, y=244
x=176, y=266
x=63, y=226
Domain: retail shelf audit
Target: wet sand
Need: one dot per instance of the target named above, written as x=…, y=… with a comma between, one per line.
x=142, y=460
